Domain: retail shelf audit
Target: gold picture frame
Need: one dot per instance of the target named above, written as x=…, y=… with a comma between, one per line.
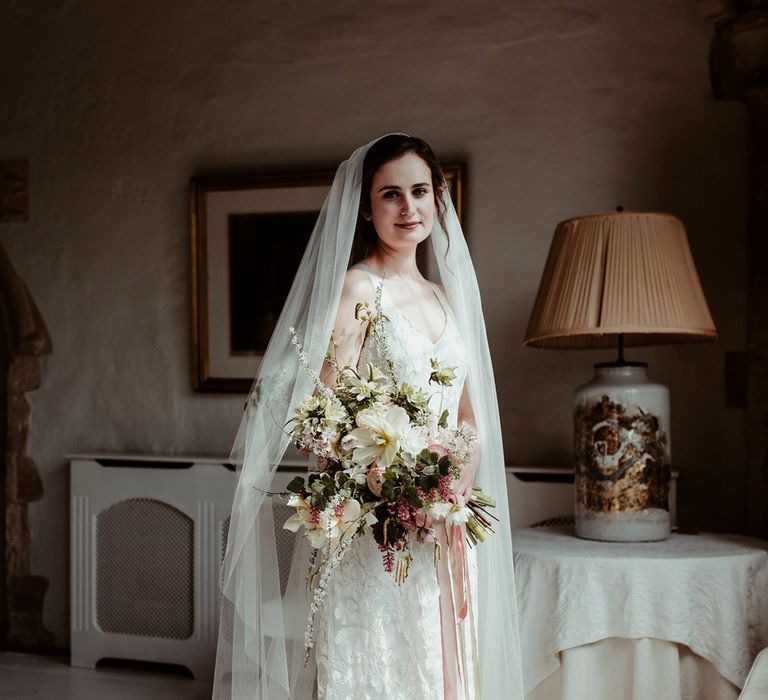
x=238, y=219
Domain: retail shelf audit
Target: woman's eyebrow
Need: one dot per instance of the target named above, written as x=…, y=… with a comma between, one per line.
x=397, y=187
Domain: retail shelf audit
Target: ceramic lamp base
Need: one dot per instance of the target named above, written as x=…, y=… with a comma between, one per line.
x=622, y=456
x=649, y=525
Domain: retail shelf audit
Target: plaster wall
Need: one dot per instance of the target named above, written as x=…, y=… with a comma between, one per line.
x=558, y=108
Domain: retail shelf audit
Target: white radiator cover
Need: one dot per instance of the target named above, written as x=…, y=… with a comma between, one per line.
x=147, y=539
x=148, y=535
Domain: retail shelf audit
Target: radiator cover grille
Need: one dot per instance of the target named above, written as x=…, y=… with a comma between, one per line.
x=144, y=570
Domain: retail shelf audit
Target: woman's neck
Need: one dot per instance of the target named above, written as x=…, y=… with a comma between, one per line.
x=395, y=264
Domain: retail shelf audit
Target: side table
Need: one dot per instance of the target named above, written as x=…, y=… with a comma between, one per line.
x=705, y=597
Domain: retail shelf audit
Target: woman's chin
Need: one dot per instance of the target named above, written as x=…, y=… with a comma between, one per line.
x=409, y=236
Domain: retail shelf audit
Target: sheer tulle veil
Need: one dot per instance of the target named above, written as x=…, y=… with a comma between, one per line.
x=261, y=637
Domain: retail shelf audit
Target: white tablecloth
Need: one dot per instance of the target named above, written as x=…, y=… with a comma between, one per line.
x=633, y=669
x=707, y=592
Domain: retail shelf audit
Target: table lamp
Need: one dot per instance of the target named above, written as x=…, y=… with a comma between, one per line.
x=617, y=280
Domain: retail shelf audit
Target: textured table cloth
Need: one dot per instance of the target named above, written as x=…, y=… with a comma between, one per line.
x=707, y=592
x=633, y=669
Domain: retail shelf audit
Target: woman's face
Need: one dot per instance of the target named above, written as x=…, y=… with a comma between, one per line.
x=403, y=202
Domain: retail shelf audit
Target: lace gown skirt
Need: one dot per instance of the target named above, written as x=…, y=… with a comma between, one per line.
x=378, y=640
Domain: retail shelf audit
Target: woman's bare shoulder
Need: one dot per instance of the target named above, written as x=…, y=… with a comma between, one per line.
x=357, y=286
x=357, y=290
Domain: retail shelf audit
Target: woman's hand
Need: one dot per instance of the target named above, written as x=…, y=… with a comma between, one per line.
x=463, y=485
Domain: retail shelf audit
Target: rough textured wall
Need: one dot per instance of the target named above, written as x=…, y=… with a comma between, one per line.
x=559, y=109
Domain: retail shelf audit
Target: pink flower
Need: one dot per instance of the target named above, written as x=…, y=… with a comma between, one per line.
x=403, y=512
x=445, y=489
x=439, y=450
x=375, y=480
x=388, y=558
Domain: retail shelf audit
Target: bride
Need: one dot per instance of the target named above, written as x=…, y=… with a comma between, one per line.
x=375, y=639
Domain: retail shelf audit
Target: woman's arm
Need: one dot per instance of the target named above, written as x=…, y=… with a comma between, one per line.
x=349, y=332
x=463, y=485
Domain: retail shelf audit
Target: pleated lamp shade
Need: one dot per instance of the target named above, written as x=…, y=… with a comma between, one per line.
x=619, y=273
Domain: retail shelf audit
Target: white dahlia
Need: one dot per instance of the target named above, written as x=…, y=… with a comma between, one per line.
x=379, y=435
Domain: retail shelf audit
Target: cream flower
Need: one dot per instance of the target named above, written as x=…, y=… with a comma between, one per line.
x=331, y=524
x=360, y=388
x=379, y=435
x=303, y=517
x=459, y=513
x=370, y=385
x=413, y=395
x=334, y=413
x=357, y=472
x=441, y=374
x=412, y=442
x=342, y=517
x=438, y=510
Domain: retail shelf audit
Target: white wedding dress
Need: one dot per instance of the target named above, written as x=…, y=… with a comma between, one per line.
x=377, y=640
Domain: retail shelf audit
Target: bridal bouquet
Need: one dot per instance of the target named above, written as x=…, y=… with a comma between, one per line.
x=383, y=461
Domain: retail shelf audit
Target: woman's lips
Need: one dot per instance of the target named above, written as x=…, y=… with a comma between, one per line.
x=409, y=224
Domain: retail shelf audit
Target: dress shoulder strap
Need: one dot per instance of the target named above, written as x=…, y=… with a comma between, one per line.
x=441, y=296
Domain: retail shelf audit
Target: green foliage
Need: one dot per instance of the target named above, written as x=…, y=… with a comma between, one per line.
x=411, y=494
x=389, y=490
x=426, y=458
x=387, y=530
x=429, y=482
x=413, y=400
x=296, y=485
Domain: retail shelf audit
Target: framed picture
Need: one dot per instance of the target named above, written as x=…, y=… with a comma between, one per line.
x=248, y=234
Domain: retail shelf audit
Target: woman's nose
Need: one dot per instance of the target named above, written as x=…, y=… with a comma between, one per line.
x=407, y=205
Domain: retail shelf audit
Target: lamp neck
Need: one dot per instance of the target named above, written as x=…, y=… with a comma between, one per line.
x=620, y=360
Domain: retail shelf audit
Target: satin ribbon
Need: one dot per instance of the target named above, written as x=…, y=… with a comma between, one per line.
x=455, y=605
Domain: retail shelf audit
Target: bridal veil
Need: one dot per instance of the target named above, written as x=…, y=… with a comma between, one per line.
x=261, y=637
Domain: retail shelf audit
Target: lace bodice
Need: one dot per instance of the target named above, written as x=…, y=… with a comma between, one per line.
x=411, y=350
